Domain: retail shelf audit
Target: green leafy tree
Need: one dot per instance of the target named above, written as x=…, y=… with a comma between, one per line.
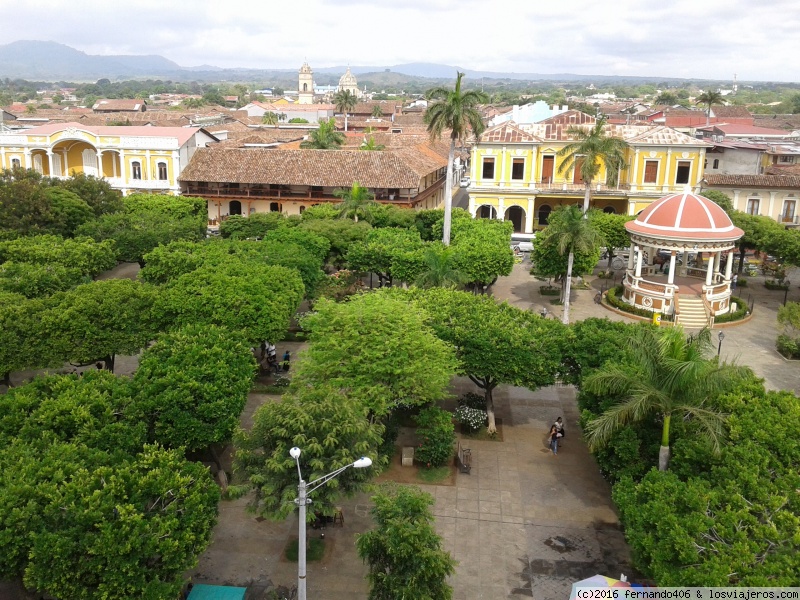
x=355, y=201
x=22, y=346
x=316, y=245
x=568, y=234
x=482, y=250
x=68, y=209
x=34, y=280
x=98, y=320
x=324, y=137
x=341, y=234
x=673, y=377
x=265, y=296
x=596, y=341
x=709, y=98
x=387, y=215
x=403, y=551
x=439, y=270
x=720, y=198
x=758, y=233
x=732, y=517
x=495, y=343
x=191, y=386
x=124, y=530
x=320, y=211
x=83, y=253
x=331, y=428
x=345, y=101
x=455, y=111
x=377, y=112
x=612, y=228
x=269, y=118
x=254, y=226
x=385, y=252
x=96, y=192
x=379, y=349
x=592, y=150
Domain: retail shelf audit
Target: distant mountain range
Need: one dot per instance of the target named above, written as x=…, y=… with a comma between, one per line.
x=51, y=61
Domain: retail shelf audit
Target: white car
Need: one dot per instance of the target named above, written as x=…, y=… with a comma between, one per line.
x=523, y=241
x=465, y=182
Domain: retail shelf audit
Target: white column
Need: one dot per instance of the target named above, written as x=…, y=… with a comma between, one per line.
x=176, y=168
x=771, y=203
x=671, y=277
x=631, y=256
x=501, y=209
x=529, y=217
x=503, y=177
x=710, y=269
x=100, y=172
x=114, y=165
x=736, y=199
x=639, y=262
x=147, y=167
x=472, y=205
x=729, y=265
x=123, y=171
x=66, y=162
x=665, y=187
x=635, y=180
x=27, y=156
x=719, y=261
x=50, y=163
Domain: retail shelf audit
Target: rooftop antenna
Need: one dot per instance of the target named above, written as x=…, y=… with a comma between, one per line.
x=735, y=86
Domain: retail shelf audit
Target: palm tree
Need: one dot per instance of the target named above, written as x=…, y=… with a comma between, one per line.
x=269, y=118
x=439, y=270
x=457, y=111
x=376, y=111
x=674, y=376
x=355, y=201
x=708, y=98
x=574, y=233
x=370, y=145
x=324, y=137
x=345, y=100
x=592, y=149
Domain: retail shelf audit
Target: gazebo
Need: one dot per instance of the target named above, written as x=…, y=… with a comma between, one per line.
x=681, y=224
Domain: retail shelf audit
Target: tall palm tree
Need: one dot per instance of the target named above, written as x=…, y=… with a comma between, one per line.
x=457, y=111
x=345, y=101
x=674, y=377
x=324, y=137
x=592, y=149
x=708, y=98
x=269, y=118
x=370, y=145
x=376, y=111
x=439, y=270
x=573, y=233
x=355, y=201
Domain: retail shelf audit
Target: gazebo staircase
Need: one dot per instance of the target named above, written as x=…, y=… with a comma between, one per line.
x=693, y=313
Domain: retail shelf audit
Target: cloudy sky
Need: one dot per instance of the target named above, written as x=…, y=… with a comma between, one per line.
x=757, y=39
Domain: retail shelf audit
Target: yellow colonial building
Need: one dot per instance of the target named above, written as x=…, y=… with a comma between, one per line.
x=515, y=170
x=132, y=159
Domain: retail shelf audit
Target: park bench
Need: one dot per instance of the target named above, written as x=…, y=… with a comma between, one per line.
x=464, y=458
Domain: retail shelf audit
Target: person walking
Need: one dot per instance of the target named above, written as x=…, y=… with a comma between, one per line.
x=287, y=356
x=734, y=281
x=559, y=425
x=553, y=439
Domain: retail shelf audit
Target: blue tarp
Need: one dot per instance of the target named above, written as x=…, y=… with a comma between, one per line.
x=216, y=592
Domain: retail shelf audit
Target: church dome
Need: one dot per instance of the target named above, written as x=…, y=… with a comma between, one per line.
x=685, y=216
x=305, y=68
x=348, y=80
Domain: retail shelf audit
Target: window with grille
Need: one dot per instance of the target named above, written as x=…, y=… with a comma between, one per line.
x=488, y=168
x=650, y=171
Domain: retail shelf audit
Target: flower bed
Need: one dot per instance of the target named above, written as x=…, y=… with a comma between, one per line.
x=613, y=299
x=741, y=312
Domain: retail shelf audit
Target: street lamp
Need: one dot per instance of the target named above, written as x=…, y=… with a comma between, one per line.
x=721, y=337
x=303, y=489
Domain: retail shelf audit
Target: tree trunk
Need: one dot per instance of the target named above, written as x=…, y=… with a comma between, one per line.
x=663, y=451
x=492, y=428
x=110, y=362
x=448, y=194
x=6, y=379
x=570, y=260
x=610, y=257
x=587, y=199
x=742, y=252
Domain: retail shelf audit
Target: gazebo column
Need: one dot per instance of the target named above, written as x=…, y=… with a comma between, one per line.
x=729, y=265
x=639, y=262
x=710, y=269
x=671, y=277
x=631, y=256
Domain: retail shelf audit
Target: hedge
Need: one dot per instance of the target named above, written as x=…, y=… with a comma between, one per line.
x=741, y=311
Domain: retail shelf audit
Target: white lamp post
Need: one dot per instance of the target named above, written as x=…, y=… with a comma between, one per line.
x=303, y=489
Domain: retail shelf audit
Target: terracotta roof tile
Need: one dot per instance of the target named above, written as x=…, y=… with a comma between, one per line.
x=776, y=181
x=403, y=168
x=121, y=104
x=507, y=133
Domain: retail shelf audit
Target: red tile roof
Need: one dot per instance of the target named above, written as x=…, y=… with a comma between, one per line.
x=183, y=134
x=776, y=181
x=507, y=133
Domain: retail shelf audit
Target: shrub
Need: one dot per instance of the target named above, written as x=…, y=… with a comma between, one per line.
x=742, y=282
x=772, y=284
x=549, y=290
x=788, y=347
x=613, y=297
x=472, y=400
x=471, y=419
x=739, y=313
x=435, y=429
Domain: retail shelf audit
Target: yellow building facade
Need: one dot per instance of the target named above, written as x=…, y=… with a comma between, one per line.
x=131, y=159
x=516, y=172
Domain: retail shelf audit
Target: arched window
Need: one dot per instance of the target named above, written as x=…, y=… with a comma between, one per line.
x=274, y=207
x=544, y=213
x=609, y=210
x=305, y=87
x=15, y=163
x=516, y=215
x=302, y=209
x=136, y=170
x=487, y=212
x=753, y=206
x=235, y=207
x=162, y=171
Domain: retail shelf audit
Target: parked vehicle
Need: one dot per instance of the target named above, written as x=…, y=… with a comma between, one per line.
x=524, y=241
x=465, y=181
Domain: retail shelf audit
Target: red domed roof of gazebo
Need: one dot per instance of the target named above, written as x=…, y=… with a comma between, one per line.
x=685, y=216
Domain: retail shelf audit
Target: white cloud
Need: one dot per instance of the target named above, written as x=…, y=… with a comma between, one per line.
x=680, y=38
